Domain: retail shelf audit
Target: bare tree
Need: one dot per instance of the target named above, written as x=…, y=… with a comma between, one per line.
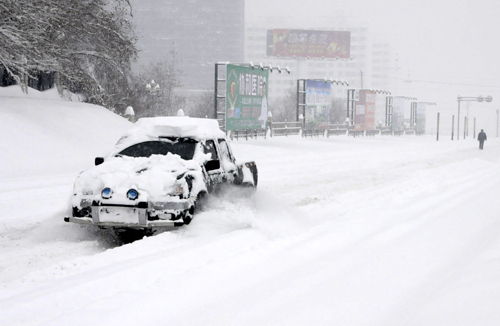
x=285, y=107
x=165, y=102
x=202, y=105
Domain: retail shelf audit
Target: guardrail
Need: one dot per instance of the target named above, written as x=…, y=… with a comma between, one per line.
x=386, y=132
x=335, y=132
x=312, y=132
x=409, y=132
x=252, y=133
x=295, y=128
x=356, y=133
x=372, y=132
x=285, y=128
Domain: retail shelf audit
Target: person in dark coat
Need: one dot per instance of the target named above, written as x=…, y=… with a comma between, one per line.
x=481, y=137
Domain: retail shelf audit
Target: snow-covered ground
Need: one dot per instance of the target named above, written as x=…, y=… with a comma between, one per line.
x=342, y=231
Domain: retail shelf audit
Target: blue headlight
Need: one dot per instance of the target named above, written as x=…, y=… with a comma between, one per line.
x=106, y=193
x=132, y=194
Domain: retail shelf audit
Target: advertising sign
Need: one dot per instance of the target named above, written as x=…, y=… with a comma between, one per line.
x=309, y=43
x=318, y=92
x=420, y=119
x=246, y=97
x=398, y=114
x=365, y=111
x=318, y=102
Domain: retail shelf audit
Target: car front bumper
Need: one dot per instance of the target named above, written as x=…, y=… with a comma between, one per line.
x=150, y=224
x=123, y=217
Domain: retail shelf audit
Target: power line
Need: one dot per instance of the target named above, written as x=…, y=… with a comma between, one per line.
x=435, y=82
x=449, y=83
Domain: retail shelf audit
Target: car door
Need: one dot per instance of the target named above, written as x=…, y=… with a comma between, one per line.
x=228, y=162
x=212, y=166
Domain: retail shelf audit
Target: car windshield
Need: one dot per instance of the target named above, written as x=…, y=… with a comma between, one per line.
x=184, y=147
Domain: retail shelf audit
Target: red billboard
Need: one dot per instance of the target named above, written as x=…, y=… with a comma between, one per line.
x=365, y=110
x=308, y=43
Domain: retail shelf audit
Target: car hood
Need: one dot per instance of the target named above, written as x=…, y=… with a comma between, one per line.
x=154, y=176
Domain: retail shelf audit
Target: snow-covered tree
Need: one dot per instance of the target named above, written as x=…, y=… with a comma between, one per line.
x=89, y=43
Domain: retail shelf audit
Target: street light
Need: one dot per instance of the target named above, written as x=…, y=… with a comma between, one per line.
x=469, y=99
x=153, y=89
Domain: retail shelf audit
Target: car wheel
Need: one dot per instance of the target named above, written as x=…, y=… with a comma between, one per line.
x=201, y=201
x=187, y=219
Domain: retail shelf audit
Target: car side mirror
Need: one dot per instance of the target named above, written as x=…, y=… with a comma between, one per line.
x=212, y=165
x=99, y=160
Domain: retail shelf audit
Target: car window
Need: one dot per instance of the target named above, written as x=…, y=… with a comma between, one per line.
x=183, y=147
x=209, y=148
x=224, y=150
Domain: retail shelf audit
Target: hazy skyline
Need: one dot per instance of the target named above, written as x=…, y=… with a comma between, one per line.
x=445, y=48
x=433, y=36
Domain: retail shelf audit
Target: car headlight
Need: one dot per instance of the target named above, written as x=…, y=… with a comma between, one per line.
x=106, y=193
x=132, y=194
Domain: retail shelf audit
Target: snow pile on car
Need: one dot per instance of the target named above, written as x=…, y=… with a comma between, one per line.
x=154, y=177
x=179, y=126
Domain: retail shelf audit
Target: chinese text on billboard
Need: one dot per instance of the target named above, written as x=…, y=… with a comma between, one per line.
x=246, y=97
x=318, y=103
x=309, y=43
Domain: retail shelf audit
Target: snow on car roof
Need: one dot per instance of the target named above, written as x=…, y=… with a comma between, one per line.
x=177, y=126
x=181, y=127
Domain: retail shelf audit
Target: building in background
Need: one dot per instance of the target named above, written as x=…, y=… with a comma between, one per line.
x=383, y=66
x=199, y=32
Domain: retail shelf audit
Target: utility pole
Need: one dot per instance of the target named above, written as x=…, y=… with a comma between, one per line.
x=361, y=79
x=437, y=136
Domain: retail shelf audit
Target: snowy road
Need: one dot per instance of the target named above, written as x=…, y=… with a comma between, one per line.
x=342, y=231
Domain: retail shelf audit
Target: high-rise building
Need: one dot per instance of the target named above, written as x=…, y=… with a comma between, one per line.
x=199, y=32
x=382, y=65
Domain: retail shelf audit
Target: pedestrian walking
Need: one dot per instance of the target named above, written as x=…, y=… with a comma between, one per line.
x=481, y=137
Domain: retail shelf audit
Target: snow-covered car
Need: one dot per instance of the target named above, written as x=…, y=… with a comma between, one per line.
x=157, y=175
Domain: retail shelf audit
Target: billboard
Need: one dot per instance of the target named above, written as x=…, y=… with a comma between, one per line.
x=246, y=97
x=365, y=110
x=398, y=114
x=420, y=118
x=318, y=103
x=308, y=43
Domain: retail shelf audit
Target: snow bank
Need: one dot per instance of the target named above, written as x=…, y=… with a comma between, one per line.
x=43, y=134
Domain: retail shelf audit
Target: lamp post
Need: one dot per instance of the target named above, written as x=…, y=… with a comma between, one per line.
x=469, y=99
x=154, y=90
